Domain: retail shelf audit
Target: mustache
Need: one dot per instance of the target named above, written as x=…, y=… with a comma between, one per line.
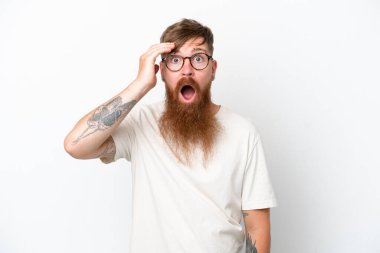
x=184, y=81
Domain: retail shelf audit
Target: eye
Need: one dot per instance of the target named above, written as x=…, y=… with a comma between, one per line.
x=198, y=58
x=174, y=59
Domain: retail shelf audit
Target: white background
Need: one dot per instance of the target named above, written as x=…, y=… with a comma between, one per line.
x=305, y=72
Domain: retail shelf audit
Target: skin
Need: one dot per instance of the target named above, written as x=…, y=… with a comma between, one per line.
x=257, y=230
x=203, y=77
x=91, y=136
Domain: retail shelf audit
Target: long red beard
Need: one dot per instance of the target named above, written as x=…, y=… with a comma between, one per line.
x=187, y=126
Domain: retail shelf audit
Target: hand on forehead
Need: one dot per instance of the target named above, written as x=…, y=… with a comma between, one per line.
x=192, y=46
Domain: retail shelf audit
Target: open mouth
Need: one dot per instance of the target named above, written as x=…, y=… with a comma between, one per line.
x=188, y=93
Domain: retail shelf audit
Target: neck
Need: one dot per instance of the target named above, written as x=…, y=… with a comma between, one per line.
x=215, y=108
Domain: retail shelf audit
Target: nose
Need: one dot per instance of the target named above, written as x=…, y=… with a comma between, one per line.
x=187, y=69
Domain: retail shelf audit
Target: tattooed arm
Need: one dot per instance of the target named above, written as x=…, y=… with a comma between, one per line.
x=91, y=136
x=257, y=230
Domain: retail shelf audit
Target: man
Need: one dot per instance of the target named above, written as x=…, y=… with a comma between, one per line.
x=197, y=167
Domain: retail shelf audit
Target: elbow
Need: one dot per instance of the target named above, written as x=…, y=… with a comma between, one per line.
x=71, y=148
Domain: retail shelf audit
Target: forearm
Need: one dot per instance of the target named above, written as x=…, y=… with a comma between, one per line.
x=257, y=230
x=91, y=132
x=90, y=138
x=258, y=241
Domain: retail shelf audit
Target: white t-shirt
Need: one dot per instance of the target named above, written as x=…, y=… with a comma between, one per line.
x=177, y=209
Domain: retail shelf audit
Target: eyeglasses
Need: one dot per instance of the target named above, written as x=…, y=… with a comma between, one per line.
x=198, y=61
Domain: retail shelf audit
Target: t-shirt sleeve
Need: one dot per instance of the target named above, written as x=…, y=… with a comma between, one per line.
x=257, y=192
x=124, y=136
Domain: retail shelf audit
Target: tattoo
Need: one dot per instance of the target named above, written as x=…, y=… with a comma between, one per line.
x=250, y=247
x=106, y=116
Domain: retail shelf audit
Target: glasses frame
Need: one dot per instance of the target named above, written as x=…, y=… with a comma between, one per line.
x=209, y=57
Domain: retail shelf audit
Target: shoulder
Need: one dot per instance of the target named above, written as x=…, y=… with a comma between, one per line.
x=150, y=111
x=228, y=117
x=141, y=110
x=238, y=124
x=142, y=114
x=153, y=108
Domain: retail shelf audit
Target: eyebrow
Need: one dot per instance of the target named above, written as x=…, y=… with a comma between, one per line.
x=198, y=49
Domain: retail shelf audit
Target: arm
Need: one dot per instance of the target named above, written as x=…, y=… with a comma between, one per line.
x=91, y=136
x=257, y=230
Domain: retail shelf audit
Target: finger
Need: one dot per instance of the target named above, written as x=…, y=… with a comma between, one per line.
x=152, y=54
x=161, y=45
x=160, y=49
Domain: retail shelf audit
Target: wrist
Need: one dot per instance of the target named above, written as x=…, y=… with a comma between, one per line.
x=138, y=89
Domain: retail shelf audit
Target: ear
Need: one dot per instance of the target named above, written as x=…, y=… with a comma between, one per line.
x=162, y=71
x=214, y=67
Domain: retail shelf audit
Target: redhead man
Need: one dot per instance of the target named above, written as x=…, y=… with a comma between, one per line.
x=198, y=168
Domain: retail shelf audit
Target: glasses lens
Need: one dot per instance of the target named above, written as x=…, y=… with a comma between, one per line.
x=199, y=61
x=174, y=62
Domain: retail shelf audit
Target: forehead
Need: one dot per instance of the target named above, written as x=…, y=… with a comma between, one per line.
x=193, y=45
